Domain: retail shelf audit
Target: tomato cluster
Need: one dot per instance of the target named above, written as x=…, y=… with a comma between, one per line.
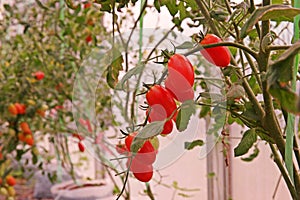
x=140, y=163
x=17, y=109
x=26, y=134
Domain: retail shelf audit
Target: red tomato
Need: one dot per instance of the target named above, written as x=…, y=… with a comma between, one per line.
x=21, y=108
x=219, y=56
x=129, y=139
x=21, y=137
x=141, y=171
x=168, y=126
x=147, y=154
x=160, y=99
x=12, y=109
x=39, y=75
x=181, y=70
x=88, y=38
x=10, y=180
x=81, y=147
x=87, y=5
x=178, y=92
x=76, y=135
x=29, y=140
x=25, y=128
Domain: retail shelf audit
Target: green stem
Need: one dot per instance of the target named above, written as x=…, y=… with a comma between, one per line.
x=283, y=172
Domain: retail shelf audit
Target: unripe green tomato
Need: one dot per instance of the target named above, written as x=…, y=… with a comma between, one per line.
x=31, y=102
x=3, y=191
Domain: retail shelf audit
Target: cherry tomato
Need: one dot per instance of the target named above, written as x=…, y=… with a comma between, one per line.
x=39, y=75
x=12, y=109
x=179, y=93
x=81, y=147
x=147, y=154
x=168, y=126
x=29, y=140
x=129, y=139
x=88, y=38
x=25, y=128
x=219, y=56
x=160, y=99
x=87, y=5
x=21, y=108
x=10, y=180
x=141, y=171
x=181, y=70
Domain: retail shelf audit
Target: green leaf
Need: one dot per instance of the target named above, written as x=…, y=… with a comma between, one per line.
x=248, y=139
x=157, y=5
x=171, y=5
x=114, y=68
x=252, y=156
x=264, y=136
x=187, y=109
x=191, y=145
x=134, y=71
x=286, y=97
x=149, y=131
x=185, y=45
x=274, y=12
x=282, y=69
x=182, y=11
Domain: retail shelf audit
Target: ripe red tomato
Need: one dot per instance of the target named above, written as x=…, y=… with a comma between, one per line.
x=21, y=108
x=88, y=38
x=10, y=180
x=147, y=154
x=179, y=93
x=25, y=128
x=160, y=99
x=129, y=139
x=153, y=116
x=141, y=171
x=219, y=56
x=12, y=109
x=29, y=140
x=87, y=5
x=21, y=137
x=39, y=75
x=81, y=147
x=181, y=70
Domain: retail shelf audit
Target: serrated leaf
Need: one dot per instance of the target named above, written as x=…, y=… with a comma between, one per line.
x=191, y=145
x=114, y=68
x=149, y=131
x=188, y=108
x=134, y=71
x=274, y=12
x=252, y=156
x=185, y=45
x=248, y=139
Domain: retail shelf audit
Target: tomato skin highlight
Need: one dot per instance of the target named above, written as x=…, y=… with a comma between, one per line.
x=219, y=56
